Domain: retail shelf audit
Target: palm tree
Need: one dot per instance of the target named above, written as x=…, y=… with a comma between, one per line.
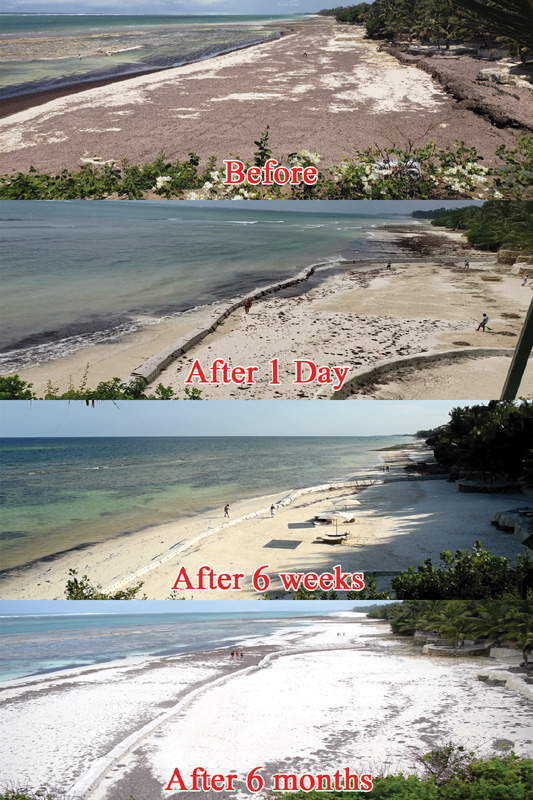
x=512, y=19
x=455, y=622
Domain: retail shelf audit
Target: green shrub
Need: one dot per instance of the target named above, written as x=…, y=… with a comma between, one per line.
x=14, y=388
x=83, y=589
x=391, y=173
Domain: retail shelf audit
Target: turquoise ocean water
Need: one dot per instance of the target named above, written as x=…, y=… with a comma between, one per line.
x=80, y=273
x=42, y=52
x=33, y=645
x=60, y=493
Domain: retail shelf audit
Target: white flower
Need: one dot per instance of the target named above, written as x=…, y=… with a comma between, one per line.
x=161, y=181
x=497, y=195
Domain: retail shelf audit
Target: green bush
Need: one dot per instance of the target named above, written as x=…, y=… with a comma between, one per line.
x=467, y=575
x=491, y=441
x=382, y=173
x=83, y=589
x=495, y=224
x=14, y=388
x=505, y=22
x=451, y=773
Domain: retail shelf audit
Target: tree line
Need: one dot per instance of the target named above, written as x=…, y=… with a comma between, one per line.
x=494, y=225
x=505, y=22
x=494, y=622
x=492, y=440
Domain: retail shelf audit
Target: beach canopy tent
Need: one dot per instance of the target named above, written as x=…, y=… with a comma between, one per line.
x=329, y=517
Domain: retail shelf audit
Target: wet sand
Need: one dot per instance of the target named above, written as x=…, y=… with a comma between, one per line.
x=344, y=95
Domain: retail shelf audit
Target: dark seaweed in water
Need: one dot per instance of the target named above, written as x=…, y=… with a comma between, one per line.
x=161, y=56
x=86, y=329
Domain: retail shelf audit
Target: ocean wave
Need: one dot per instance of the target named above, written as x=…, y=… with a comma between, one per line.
x=23, y=357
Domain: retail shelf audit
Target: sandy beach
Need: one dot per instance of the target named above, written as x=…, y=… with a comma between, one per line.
x=144, y=717
x=345, y=95
x=354, y=314
x=400, y=520
x=366, y=316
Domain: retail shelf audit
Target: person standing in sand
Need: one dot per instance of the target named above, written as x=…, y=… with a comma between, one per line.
x=467, y=263
x=247, y=305
x=272, y=510
x=483, y=323
x=389, y=264
x=305, y=53
x=226, y=510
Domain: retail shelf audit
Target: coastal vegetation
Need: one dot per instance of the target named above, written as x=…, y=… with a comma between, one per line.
x=450, y=772
x=494, y=225
x=83, y=589
x=466, y=575
x=492, y=622
x=496, y=22
x=492, y=441
x=12, y=387
x=381, y=173
x=474, y=574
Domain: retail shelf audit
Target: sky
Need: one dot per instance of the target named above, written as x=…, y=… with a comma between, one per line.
x=12, y=607
x=270, y=7
x=22, y=418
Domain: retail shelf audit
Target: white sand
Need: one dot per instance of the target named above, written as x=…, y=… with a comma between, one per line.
x=330, y=710
x=365, y=705
x=69, y=721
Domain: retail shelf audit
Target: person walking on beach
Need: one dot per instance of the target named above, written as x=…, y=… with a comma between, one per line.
x=389, y=264
x=226, y=510
x=272, y=510
x=247, y=305
x=483, y=323
x=467, y=263
x=305, y=53
x=524, y=281
x=242, y=654
x=232, y=653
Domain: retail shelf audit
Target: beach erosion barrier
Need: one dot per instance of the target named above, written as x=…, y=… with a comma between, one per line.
x=175, y=551
x=502, y=677
x=385, y=369
x=89, y=781
x=154, y=366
